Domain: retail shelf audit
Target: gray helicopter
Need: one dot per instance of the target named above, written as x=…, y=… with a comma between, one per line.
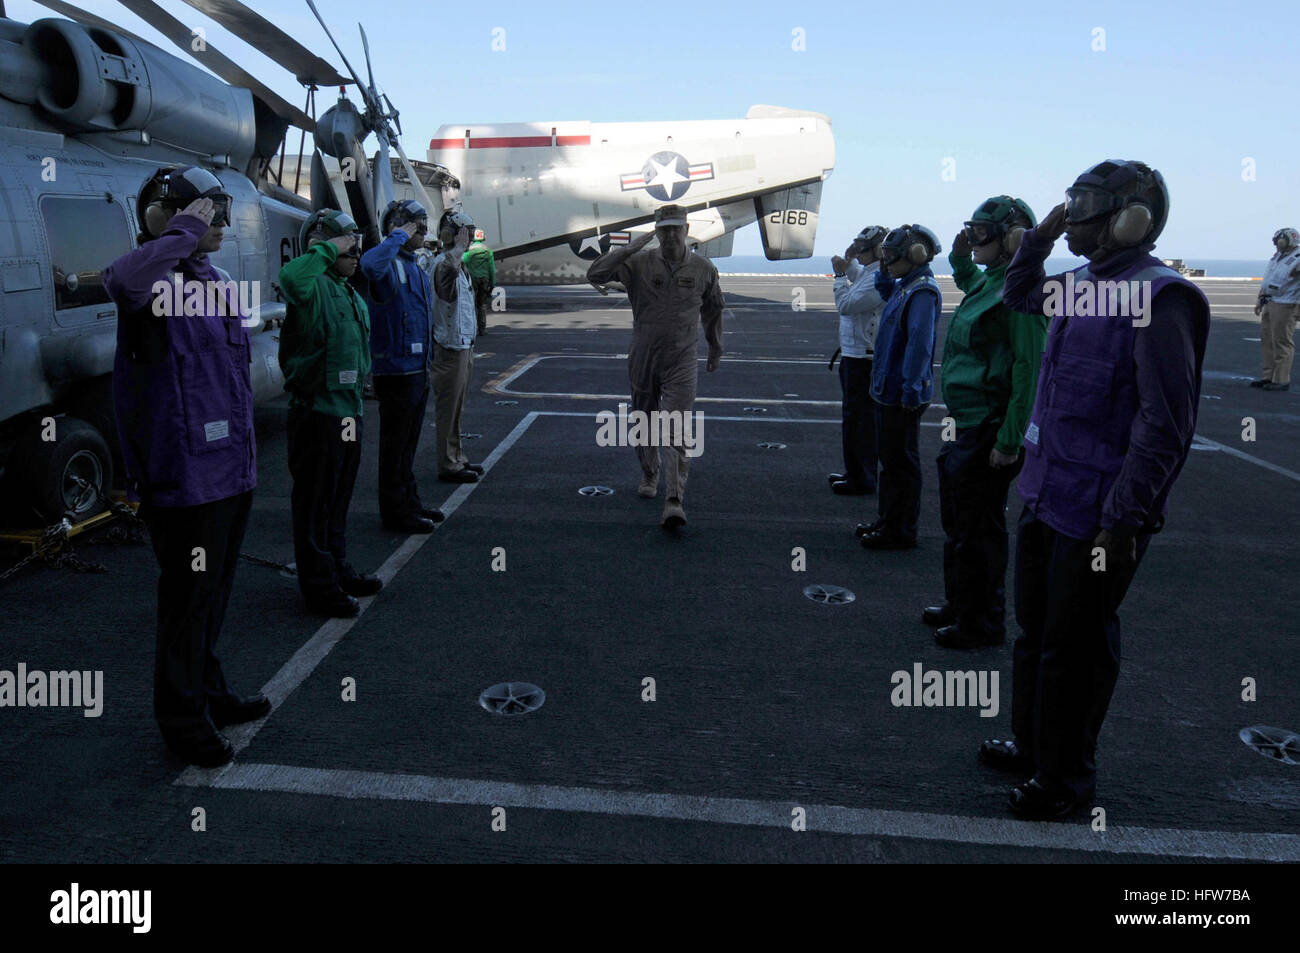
x=88, y=112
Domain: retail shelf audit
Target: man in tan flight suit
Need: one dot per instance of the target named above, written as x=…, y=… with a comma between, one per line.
x=672, y=291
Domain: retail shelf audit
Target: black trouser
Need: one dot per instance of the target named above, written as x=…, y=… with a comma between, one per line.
x=859, y=422
x=191, y=608
x=1067, y=661
x=482, y=296
x=324, y=470
x=402, y=399
x=973, y=509
x=897, y=436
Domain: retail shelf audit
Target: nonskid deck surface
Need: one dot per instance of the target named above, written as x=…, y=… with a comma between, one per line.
x=768, y=707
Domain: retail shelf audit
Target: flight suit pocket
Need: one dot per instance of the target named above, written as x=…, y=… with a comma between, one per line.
x=342, y=357
x=207, y=385
x=960, y=332
x=1083, y=388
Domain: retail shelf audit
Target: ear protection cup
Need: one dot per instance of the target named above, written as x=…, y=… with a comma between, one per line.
x=1011, y=241
x=918, y=254
x=155, y=219
x=1131, y=224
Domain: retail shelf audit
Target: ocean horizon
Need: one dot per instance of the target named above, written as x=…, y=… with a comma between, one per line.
x=821, y=264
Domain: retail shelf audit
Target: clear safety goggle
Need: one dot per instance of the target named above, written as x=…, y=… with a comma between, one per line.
x=1083, y=205
x=221, y=204
x=355, y=250
x=890, y=253
x=220, y=208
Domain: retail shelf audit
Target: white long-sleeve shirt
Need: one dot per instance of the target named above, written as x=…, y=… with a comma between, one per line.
x=859, y=305
x=1279, y=284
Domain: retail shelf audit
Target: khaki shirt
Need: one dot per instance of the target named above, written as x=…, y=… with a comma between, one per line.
x=668, y=301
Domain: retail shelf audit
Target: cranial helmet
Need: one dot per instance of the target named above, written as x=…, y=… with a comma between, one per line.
x=325, y=224
x=1132, y=194
x=916, y=243
x=1001, y=219
x=401, y=211
x=172, y=188
x=455, y=219
x=1290, y=234
x=869, y=238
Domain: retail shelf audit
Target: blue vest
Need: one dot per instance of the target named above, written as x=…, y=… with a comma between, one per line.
x=184, y=403
x=1078, y=434
x=892, y=338
x=400, y=302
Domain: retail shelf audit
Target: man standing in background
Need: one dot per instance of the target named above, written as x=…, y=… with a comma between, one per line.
x=1118, y=395
x=454, y=331
x=1279, y=308
x=325, y=356
x=184, y=402
x=482, y=267
x=902, y=379
x=672, y=291
x=401, y=342
x=990, y=370
x=859, y=305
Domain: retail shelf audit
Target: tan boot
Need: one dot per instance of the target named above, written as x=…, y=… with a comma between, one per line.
x=674, y=515
x=649, y=487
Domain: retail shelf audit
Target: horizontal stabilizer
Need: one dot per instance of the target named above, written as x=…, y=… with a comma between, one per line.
x=719, y=247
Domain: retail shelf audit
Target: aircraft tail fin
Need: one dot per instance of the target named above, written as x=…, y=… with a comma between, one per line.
x=787, y=221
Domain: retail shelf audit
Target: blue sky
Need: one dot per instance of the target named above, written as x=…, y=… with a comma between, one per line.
x=1015, y=95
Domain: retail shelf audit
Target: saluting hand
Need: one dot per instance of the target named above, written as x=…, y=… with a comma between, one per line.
x=1053, y=225
x=202, y=209
x=961, y=245
x=343, y=243
x=839, y=265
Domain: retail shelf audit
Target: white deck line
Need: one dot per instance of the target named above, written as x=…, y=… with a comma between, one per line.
x=829, y=818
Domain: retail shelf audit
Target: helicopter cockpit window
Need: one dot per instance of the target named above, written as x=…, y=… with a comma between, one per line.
x=86, y=236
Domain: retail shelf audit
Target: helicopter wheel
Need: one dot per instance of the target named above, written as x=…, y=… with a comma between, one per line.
x=70, y=475
x=95, y=407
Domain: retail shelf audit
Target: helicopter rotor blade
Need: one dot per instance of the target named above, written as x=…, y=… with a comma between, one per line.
x=383, y=176
x=263, y=35
x=355, y=78
x=86, y=18
x=209, y=56
x=365, y=45
x=393, y=114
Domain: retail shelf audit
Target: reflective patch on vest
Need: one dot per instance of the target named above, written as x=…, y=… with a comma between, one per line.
x=1031, y=434
x=216, y=430
x=347, y=377
x=417, y=347
x=401, y=271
